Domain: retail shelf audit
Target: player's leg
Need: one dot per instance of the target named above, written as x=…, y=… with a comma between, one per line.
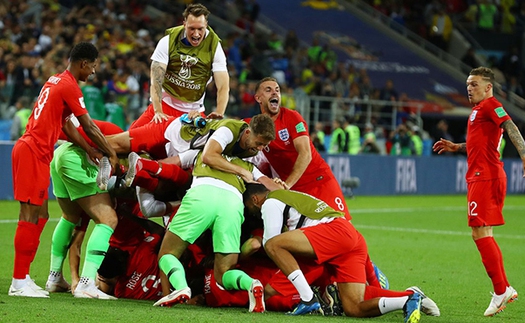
x=30, y=183
x=226, y=235
x=183, y=230
x=60, y=242
x=281, y=249
x=488, y=198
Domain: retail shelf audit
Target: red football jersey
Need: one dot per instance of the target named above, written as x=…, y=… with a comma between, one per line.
x=484, y=136
x=142, y=279
x=288, y=126
x=60, y=96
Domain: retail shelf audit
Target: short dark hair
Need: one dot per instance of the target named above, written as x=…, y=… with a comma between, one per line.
x=262, y=125
x=266, y=79
x=485, y=72
x=83, y=51
x=197, y=10
x=252, y=189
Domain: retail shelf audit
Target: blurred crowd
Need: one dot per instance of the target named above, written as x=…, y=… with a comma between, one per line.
x=36, y=36
x=434, y=20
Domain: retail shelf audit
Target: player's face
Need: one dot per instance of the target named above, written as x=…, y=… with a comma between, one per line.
x=255, y=143
x=87, y=69
x=269, y=97
x=195, y=29
x=478, y=88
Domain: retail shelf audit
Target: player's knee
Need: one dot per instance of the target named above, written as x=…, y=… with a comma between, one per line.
x=271, y=247
x=353, y=310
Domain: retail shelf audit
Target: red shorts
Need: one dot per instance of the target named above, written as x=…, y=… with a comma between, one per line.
x=150, y=138
x=328, y=190
x=147, y=115
x=314, y=273
x=31, y=176
x=485, y=202
x=339, y=245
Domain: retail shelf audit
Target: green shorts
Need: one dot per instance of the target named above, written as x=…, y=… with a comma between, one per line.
x=209, y=207
x=72, y=173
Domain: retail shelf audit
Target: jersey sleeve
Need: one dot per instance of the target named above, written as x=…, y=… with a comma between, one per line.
x=219, y=60
x=296, y=125
x=223, y=135
x=496, y=112
x=161, y=52
x=272, y=215
x=74, y=100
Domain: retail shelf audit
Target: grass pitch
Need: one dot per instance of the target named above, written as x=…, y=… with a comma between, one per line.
x=415, y=240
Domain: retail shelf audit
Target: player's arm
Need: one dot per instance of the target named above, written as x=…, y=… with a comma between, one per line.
x=94, y=133
x=157, y=72
x=516, y=138
x=222, y=82
x=302, y=146
x=212, y=156
x=221, y=78
x=75, y=137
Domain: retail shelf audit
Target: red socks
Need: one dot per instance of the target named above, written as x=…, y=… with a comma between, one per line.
x=174, y=173
x=170, y=172
x=148, y=165
x=145, y=180
x=280, y=303
x=371, y=277
x=493, y=261
x=26, y=244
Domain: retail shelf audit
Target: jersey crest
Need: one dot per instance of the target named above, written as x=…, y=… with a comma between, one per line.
x=473, y=115
x=283, y=134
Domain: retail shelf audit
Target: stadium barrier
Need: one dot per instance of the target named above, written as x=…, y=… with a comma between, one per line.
x=367, y=174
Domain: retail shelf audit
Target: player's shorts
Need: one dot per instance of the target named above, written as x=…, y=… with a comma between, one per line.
x=30, y=175
x=485, y=202
x=74, y=175
x=150, y=138
x=327, y=189
x=149, y=113
x=342, y=247
x=314, y=273
x=210, y=207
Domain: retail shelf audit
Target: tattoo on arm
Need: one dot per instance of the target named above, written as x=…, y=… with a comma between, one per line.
x=157, y=74
x=515, y=136
x=462, y=148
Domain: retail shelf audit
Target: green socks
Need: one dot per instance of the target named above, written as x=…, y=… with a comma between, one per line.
x=59, y=244
x=236, y=279
x=174, y=270
x=97, y=247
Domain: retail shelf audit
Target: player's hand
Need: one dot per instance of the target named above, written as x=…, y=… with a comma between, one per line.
x=159, y=117
x=95, y=155
x=193, y=114
x=282, y=183
x=443, y=145
x=215, y=115
x=247, y=176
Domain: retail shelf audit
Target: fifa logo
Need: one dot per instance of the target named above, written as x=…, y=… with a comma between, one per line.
x=187, y=62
